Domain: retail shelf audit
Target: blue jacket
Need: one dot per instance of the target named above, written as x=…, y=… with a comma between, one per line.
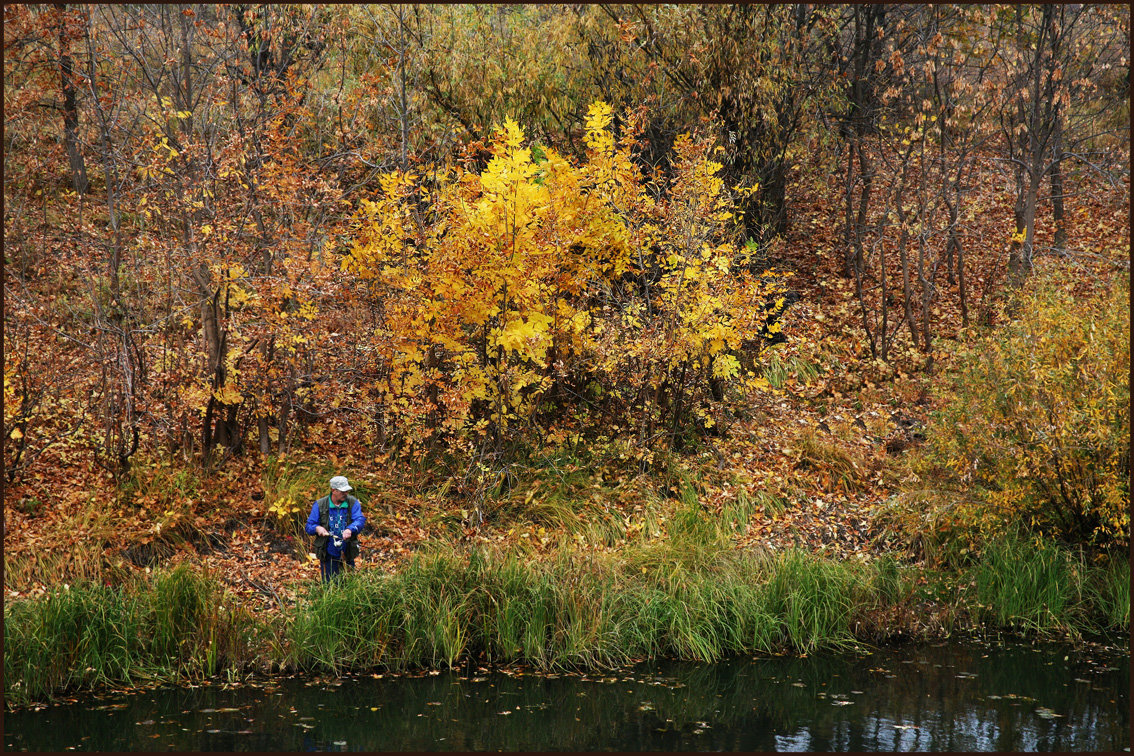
x=320, y=515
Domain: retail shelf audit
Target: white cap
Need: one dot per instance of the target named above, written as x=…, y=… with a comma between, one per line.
x=339, y=483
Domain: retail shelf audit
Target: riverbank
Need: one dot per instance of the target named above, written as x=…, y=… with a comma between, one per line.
x=851, y=501
x=685, y=598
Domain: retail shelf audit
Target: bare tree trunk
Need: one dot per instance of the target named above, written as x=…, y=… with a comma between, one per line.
x=925, y=283
x=1038, y=116
x=907, y=290
x=884, y=342
x=1057, y=213
x=849, y=249
x=1017, y=259
x=927, y=289
x=904, y=258
x=1020, y=264
x=956, y=253
x=70, y=107
x=404, y=111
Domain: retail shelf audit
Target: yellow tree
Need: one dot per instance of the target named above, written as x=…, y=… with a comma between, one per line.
x=508, y=293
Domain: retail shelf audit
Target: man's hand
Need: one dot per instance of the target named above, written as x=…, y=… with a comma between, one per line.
x=321, y=531
x=346, y=534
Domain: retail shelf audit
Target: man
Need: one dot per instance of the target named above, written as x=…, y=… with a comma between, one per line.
x=336, y=521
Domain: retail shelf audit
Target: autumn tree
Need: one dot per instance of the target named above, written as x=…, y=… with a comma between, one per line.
x=1064, y=77
x=195, y=127
x=538, y=283
x=752, y=71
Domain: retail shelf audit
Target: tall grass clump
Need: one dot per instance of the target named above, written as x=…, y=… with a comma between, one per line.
x=814, y=600
x=81, y=635
x=366, y=619
x=1108, y=592
x=1036, y=427
x=838, y=467
x=192, y=629
x=778, y=370
x=168, y=627
x=290, y=486
x=1025, y=585
x=1044, y=588
x=578, y=610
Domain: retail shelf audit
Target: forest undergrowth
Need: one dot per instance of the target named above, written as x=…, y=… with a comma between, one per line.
x=679, y=329
x=811, y=478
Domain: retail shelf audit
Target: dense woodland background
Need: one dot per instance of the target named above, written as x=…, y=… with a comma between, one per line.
x=448, y=249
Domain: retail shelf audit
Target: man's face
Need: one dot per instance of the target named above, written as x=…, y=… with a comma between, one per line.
x=338, y=497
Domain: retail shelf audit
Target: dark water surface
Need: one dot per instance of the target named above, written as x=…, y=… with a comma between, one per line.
x=956, y=696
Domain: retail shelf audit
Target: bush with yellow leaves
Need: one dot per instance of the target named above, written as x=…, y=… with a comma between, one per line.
x=1036, y=433
x=542, y=285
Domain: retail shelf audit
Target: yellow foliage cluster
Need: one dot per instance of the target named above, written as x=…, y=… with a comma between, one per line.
x=1038, y=430
x=535, y=273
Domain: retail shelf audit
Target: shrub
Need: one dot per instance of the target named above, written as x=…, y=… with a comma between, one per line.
x=555, y=285
x=1036, y=430
x=289, y=488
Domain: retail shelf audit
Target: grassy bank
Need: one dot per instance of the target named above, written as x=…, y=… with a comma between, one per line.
x=175, y=626
x=578, y=611
x=575, y=610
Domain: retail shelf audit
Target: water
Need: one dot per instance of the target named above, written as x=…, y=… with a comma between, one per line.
x=949, y=697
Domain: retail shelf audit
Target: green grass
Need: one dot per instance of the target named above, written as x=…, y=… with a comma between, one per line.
x=1108, y=592
x=171, y=627
x=1039, y=587
x=680, y=599
x=772, y=503
x=778, y=370
x=691, y=596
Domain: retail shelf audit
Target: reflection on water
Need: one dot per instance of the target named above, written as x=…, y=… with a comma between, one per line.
x=949, y=697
